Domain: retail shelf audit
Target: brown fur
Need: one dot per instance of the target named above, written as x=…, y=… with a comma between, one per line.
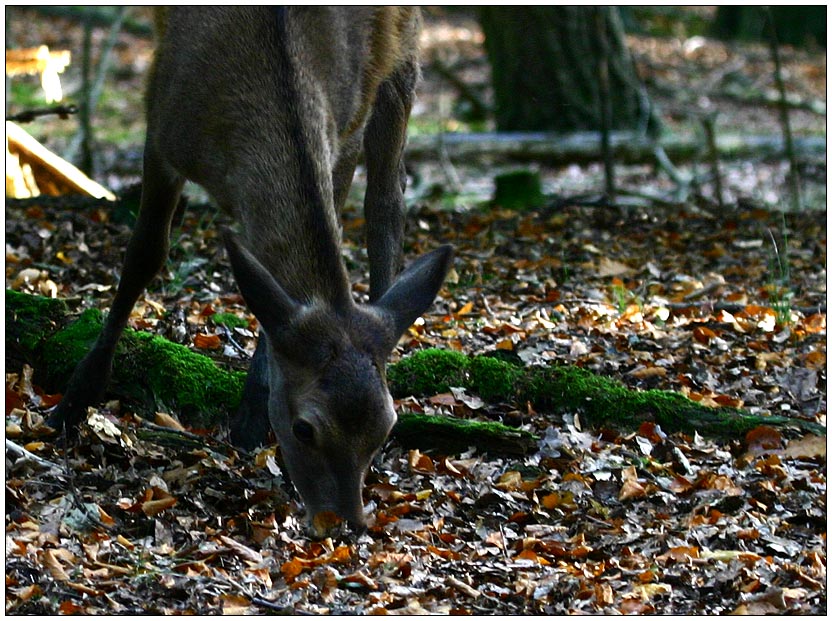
x=268, y=109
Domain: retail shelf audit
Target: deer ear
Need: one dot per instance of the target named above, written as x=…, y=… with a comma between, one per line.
x=272, y=306
x=415, y=289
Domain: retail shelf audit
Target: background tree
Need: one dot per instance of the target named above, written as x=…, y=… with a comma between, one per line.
x=544, y=64
x=796, y=25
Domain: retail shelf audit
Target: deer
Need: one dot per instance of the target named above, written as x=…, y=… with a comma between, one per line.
x=269, y=109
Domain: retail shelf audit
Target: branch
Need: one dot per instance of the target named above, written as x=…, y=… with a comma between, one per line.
x=582, y=147
x=29, y=456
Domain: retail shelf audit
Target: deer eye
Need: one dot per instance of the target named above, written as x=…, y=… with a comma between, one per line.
x=304, y=431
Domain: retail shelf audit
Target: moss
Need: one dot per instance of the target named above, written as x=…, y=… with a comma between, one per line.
x=31, y=318
x=493, y=379
x=230, y=320
x=559, y=388
x=152, y=372
x=428, y=372
x=519, y=190
x=453, y=435
x=63, y=350
x=181, y=380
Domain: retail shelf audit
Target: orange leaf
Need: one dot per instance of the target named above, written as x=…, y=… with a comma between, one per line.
x=291, y=569
x=68, y=607
x=763, y=438
x=816, y=360
x=531, y=555
x=506, y=344
x=703, y=334
x=155, y=507
x=464, y=310
x=166, y=420
x=207, y=341
x=814, y=323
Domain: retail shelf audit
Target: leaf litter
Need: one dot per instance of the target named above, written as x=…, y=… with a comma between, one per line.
x=594, y=521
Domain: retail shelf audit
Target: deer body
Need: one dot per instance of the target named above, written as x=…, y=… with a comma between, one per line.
x=268, y=109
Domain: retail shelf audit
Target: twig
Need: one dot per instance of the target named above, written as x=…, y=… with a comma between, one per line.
x=465, y=589
x=708, y=122
x=794, y=185
x=27, y=116
x=188, y=435
x=93, y=93
x=282, y=610
x=29, y=456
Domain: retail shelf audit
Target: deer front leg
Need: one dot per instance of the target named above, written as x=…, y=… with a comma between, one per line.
x=384, y=206
x=146, y=254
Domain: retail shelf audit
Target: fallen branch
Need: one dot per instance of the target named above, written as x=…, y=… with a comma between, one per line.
x=27, y=116
x=29, y=456
x=600, y=401
x=583, y=147
x=152, y=374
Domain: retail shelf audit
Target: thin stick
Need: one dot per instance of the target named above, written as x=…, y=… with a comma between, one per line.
x=794, y=185
x=713, y=155
x=29, y=456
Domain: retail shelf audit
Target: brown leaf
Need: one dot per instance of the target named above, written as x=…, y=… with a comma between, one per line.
x=168, y=421
x=242, y=551
x=806, y=447
x=444, y=398
x=155, y=507
x=56, y=570
x=509, y=481
x=207, y=341
x=420, y=462
x=763, y=439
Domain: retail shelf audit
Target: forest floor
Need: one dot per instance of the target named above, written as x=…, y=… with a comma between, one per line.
x=728, y=308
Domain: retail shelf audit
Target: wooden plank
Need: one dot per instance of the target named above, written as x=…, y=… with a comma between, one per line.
x=59, y=172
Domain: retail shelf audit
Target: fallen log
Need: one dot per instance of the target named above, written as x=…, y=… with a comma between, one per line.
x=584, y=147
x=556, y=388
x=151, y=374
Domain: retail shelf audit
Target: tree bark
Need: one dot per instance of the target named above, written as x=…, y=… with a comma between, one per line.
x=544, y=61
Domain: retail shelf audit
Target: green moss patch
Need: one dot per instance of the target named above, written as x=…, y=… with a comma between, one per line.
x=560, y=389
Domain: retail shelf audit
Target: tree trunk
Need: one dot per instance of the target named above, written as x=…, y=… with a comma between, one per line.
x=544, y=63
x=796, y=25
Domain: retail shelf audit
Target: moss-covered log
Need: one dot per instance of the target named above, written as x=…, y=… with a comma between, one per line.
x=599, y=400
x=152, y=374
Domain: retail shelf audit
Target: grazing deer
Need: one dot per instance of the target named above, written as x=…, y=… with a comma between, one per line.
x=268, y=109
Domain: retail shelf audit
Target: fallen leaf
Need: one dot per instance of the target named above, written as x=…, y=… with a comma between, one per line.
x=207, y=341
x=806, y=447
x=166, y=420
